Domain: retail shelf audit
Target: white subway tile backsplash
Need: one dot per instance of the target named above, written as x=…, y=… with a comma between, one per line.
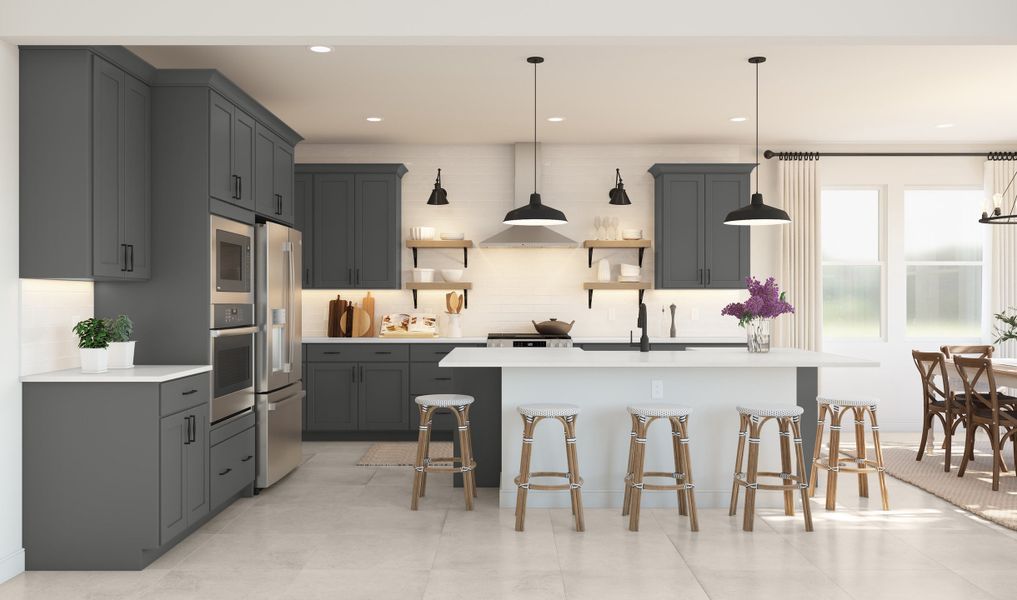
x=49, y=309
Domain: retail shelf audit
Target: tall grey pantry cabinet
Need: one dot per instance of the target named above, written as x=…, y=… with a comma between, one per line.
x=85, y=164
x=351, y=219
x=693, y=246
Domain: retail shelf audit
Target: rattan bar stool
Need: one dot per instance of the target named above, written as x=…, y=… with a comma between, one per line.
x=642, y=416
x=788, y=420
x=533, y=414
x=835, y=461
x=459, y=406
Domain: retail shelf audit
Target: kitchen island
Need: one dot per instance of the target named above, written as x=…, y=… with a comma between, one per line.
x=711, y=382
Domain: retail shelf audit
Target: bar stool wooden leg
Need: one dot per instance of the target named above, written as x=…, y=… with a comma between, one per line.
x=572, y=456
x=743, y=432
x=784, y=424
x=679, y=465
x=690, y=496
x=418, y=465
x=628, y=474
x=818, y=450
x=637, y=473
x=751, y=475
x=796, y=429
x=427, y=454
x=879, y=457
x=469, y=477
x=524, y=471
x=834, y=459
x=863, y=478
x=469, y=444
x=460, y=414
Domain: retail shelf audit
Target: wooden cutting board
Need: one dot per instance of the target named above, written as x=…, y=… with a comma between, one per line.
x=369, y=309
x=359, y=325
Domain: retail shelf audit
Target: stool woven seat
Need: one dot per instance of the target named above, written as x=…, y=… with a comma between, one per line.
x=444, y=400
x=548, y=410
x=659, y=410
x=771, y=411
x=850, y=401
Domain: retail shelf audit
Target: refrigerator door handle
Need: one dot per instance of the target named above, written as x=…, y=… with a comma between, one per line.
x=291, y=269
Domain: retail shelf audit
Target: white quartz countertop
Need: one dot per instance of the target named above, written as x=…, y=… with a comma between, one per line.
x=483, y=340
x=138, y=374
x=736, y=358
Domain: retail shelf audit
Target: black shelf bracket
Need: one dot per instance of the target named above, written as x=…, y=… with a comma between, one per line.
x=641, y=296
x=414, y=297
x=590, y=261
x=641, y=250
x=414, y=260
x=466, y=258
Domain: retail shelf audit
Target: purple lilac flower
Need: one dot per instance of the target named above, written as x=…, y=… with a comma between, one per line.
x=766, y=301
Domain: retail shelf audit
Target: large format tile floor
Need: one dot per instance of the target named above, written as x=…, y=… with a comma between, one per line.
x=335, y=530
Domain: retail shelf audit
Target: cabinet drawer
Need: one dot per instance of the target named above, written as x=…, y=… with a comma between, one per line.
x=232, y=466
x=181, y=394
x=429, y=378
x=354, y=352
x=227, y=429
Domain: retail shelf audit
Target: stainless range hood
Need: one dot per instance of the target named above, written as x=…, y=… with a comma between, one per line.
x=527, y=236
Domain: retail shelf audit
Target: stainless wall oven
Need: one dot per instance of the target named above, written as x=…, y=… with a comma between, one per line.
x=232, y=349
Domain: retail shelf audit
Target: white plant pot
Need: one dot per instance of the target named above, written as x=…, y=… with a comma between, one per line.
x=94, y=360
x=121, y=355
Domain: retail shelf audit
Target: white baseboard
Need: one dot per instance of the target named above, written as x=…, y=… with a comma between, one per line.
x=12, y=565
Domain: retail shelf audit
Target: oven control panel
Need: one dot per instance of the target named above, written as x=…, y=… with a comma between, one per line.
x=225, y=316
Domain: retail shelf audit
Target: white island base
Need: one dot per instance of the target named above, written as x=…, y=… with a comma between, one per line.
x=602, y=384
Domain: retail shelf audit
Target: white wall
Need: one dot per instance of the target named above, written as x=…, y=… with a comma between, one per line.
x=896, y=381
x=514, y=286
x=12, y=555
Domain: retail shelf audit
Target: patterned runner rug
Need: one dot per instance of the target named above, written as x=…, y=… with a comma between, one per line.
x=399, y=454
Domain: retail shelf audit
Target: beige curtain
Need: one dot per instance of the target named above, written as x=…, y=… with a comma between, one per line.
x=1004, y=247
x=801, y=266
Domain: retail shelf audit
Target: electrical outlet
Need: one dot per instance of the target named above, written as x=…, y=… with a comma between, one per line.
x=612, y=314
x=657, y=389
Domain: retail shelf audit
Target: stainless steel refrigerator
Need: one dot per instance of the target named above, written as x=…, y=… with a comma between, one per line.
x=278, y=389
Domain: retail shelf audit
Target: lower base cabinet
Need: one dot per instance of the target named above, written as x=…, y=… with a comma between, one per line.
x=116, y=473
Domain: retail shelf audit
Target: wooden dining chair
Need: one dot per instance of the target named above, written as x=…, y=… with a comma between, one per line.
x=938, y=402
x=984, y=411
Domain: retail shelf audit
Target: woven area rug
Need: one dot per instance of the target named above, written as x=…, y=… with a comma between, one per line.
x=973, y=492
x=399, y=454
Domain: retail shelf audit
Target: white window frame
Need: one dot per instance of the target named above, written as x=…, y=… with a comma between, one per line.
x=985, y=317
x=881, y=260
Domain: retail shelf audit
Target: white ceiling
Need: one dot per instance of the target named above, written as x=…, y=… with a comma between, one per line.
x=625, y=94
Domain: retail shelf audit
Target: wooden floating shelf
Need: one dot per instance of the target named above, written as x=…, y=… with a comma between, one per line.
x=465, y=286
x=641, y=286
x=640, y=245
x=417, y=244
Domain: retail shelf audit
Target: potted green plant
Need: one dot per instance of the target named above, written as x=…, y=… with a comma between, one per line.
x=121, y=347
x=93, y=342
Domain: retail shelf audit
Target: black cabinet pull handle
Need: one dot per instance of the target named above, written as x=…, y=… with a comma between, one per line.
x=194, y=428
x=189, y=392
x=225, y=472
x=349, y=275
x=131, y=246
x=383, y=352
x=307, y=275
x=699, y=277
x=187, y=430
x=332, y=352
x=124, y=267
x=247, y=458
x=240, y=187
x=278, y=204
x=443, y=379
x=236, y=187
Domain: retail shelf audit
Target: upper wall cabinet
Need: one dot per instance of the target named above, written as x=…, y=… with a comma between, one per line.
x=273, y=159
x=350, y=216
x=231, y=170
x=694, y=249
x=85, y=164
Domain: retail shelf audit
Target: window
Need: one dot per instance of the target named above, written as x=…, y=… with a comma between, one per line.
x=852, y=263
x=943, y=252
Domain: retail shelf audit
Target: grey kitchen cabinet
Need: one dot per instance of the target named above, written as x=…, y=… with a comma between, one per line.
x=302, y=210
x=382, y=396
x=231, y=460
x=274, y=178
x=183, y=471
x=231, y=149
x=85, y=160
x=693, y=247
x=115, y=473
x=353, y=220
x=331, y=400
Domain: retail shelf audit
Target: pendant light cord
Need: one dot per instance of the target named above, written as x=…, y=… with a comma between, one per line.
x=534, y=128
x=757, y=128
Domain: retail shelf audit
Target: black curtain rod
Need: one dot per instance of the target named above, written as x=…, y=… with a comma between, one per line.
x=816, y=155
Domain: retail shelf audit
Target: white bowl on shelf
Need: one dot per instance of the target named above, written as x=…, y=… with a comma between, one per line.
x=632, y=234
x=427, y=233
x=452, y=236
x=452, y=275
x=423, y=275
x=628, y=270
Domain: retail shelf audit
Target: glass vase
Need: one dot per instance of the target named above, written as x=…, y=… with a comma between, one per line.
x=757, y=334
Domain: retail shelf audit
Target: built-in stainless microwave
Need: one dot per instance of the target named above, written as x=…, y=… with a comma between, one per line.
x=232, y=272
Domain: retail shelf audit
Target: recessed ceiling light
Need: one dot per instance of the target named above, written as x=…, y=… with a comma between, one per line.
x=375, y=119
x=556, y=119
x=737, y=119
x=944, y=126
x=320, y=49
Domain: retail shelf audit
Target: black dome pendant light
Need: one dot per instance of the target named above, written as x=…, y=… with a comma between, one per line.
x=757, y=213
x=618, y=195
x=438, y=195
x=535, y=213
